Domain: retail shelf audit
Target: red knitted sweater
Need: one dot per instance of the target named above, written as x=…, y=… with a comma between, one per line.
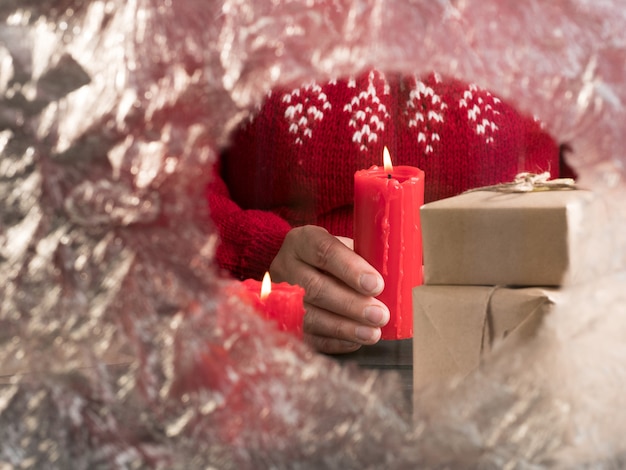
x=294, y=163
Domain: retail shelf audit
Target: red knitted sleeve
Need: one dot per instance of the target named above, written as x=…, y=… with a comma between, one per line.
x=249, y=239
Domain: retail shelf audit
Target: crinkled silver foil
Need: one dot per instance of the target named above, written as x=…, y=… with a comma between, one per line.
x=121, y=346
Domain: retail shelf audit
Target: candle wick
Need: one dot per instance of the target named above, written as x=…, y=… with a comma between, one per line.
x=388, y=176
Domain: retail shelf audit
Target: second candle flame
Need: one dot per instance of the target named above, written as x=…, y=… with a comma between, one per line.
x=387, y=160
x=266, y=286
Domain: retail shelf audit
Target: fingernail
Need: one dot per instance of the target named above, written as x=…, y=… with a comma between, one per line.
x=365, y=333
x=376, y=315
x=371, y=283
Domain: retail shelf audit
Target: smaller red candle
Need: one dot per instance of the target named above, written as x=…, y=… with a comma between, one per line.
x=388, y=234
x=281, y=303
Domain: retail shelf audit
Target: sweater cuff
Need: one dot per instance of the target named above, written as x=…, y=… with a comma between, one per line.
x=248, y=250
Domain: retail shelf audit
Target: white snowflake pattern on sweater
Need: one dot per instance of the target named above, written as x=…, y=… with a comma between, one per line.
x=368, y=113
x=306, y=107
x=481, y=110
x=425, y=110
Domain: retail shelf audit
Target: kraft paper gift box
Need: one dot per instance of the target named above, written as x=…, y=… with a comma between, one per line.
x=455, y=326
x=539, y=238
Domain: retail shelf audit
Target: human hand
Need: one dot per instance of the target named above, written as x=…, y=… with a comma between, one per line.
x=341, y=311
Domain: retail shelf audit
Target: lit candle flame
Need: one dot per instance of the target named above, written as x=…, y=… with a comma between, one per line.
x=387, y=160
x=266, y=286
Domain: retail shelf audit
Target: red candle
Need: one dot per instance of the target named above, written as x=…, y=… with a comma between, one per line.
x=387, y=233
x=281, y=303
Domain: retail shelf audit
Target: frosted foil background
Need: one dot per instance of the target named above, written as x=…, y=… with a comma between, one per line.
x=119, y=343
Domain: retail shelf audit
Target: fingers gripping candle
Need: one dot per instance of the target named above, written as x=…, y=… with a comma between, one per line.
x=387, y=233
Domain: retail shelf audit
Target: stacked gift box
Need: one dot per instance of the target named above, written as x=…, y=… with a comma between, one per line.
x=495, y=262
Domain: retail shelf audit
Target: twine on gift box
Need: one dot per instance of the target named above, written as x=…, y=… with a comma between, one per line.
x=530, y=182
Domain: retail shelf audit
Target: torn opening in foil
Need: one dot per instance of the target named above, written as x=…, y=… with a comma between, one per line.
x=119, y=345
